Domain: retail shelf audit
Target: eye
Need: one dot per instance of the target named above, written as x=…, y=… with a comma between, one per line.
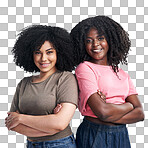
x=88, y=41
x=49, y=52
x=101, y=38
x=36, y=52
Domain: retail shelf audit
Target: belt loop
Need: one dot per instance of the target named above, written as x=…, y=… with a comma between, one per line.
x=72, y=138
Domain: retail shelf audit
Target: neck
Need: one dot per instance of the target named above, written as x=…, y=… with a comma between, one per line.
x=45, y=75
x=100, y=62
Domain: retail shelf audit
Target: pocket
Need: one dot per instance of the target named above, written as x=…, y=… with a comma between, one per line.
x=72, y=143
x=57, y=145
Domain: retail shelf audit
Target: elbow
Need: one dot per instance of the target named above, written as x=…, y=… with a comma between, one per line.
x=106, y=118
x=61, y=127
x=141, y=115
x=104, y=115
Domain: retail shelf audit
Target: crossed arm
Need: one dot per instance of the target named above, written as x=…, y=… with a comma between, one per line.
x=36, y=126
x=129, y=112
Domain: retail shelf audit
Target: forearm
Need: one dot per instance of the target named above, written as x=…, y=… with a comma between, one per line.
x=30, y=132
x=56, y=122
x=108, y=112
x=113, y=112
x=52, y=123
x=134, y=116
x=43, y=123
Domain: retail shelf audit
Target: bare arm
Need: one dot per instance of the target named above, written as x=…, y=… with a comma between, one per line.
x=135, y=115
x=45, y=123
x=30, y=132
x=108, y=112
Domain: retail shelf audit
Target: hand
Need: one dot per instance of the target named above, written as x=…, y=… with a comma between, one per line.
x=57, y=108
x=102, y=96
x=12, y=120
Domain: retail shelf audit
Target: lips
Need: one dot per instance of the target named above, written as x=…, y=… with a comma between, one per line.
x=44, y=65
x=97, y=50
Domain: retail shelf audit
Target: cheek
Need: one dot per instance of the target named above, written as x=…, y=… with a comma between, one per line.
x=53, y=58
x=104, y=44
x=88, y=48
x=36, y=58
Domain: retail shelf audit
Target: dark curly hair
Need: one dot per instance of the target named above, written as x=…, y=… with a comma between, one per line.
x=117, y=39
x=33, y=37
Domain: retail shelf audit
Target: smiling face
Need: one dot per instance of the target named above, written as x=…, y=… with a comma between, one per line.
x=45, y=58
x=97, y=47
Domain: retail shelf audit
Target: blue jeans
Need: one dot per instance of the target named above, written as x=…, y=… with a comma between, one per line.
x=91, y=135
x=67, y=142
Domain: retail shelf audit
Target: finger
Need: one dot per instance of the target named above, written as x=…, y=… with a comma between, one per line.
x=103, y=97
x=8, y=113
x=11, y=125
x=6, y=118
x=99, y=92
x=58, y=108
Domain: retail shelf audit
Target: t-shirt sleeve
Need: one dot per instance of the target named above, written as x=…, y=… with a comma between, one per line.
x=14, y=105
x=87, y=83
x=132, y=89
x=67, y=90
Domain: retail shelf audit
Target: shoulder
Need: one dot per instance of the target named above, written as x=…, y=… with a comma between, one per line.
x=123, y=73
x=85, y=66
x=65, y=76
x=22, y=83
x=25, y=80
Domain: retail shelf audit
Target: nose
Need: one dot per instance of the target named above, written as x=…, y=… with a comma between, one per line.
x=96, y=43
x=43, y=57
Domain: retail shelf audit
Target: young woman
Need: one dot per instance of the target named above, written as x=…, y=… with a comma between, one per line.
x=100, y=45
x=47, y=50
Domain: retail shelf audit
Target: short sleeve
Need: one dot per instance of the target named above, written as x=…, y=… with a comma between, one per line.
x=67, y=90
x=87, y=84
x=15, y=101
x=132, y=89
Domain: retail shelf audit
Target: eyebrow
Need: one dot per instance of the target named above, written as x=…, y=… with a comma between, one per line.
x=46, y=49
x=49, y=49
x=96, y=36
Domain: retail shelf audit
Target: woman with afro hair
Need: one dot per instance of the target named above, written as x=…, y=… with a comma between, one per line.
x=107, y=97
x=44, y=104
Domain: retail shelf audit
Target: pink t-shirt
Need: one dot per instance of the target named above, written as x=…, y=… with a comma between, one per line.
x=92, y=77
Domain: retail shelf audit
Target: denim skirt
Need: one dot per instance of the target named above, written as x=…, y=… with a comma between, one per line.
x=92, y=135
x=67, y=142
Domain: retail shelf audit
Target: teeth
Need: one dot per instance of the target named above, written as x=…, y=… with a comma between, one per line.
x=99, y=50
x=44, y=64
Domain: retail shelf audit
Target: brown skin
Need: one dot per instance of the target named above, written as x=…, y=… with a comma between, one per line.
x=97, y=47
x=107, y=113
x=110, y=114
x=136, y=114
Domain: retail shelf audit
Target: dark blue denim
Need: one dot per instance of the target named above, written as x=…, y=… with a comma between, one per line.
x=67, y=142
x=91, y=135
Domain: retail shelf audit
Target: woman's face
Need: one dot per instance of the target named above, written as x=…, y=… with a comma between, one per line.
x=45, y=58
x=97, y=47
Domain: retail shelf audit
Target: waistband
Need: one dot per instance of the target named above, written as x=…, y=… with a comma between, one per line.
x=43, y=143
x=66, y=132
x=102, y=127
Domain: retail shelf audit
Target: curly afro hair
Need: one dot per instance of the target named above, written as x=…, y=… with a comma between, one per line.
x=117, y=39
x=33, y=37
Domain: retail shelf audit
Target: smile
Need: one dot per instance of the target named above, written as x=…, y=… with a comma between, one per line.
x=44, y=65
x=97, y=50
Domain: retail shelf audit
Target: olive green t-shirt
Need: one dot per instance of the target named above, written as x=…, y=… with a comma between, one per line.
x=41, y=98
